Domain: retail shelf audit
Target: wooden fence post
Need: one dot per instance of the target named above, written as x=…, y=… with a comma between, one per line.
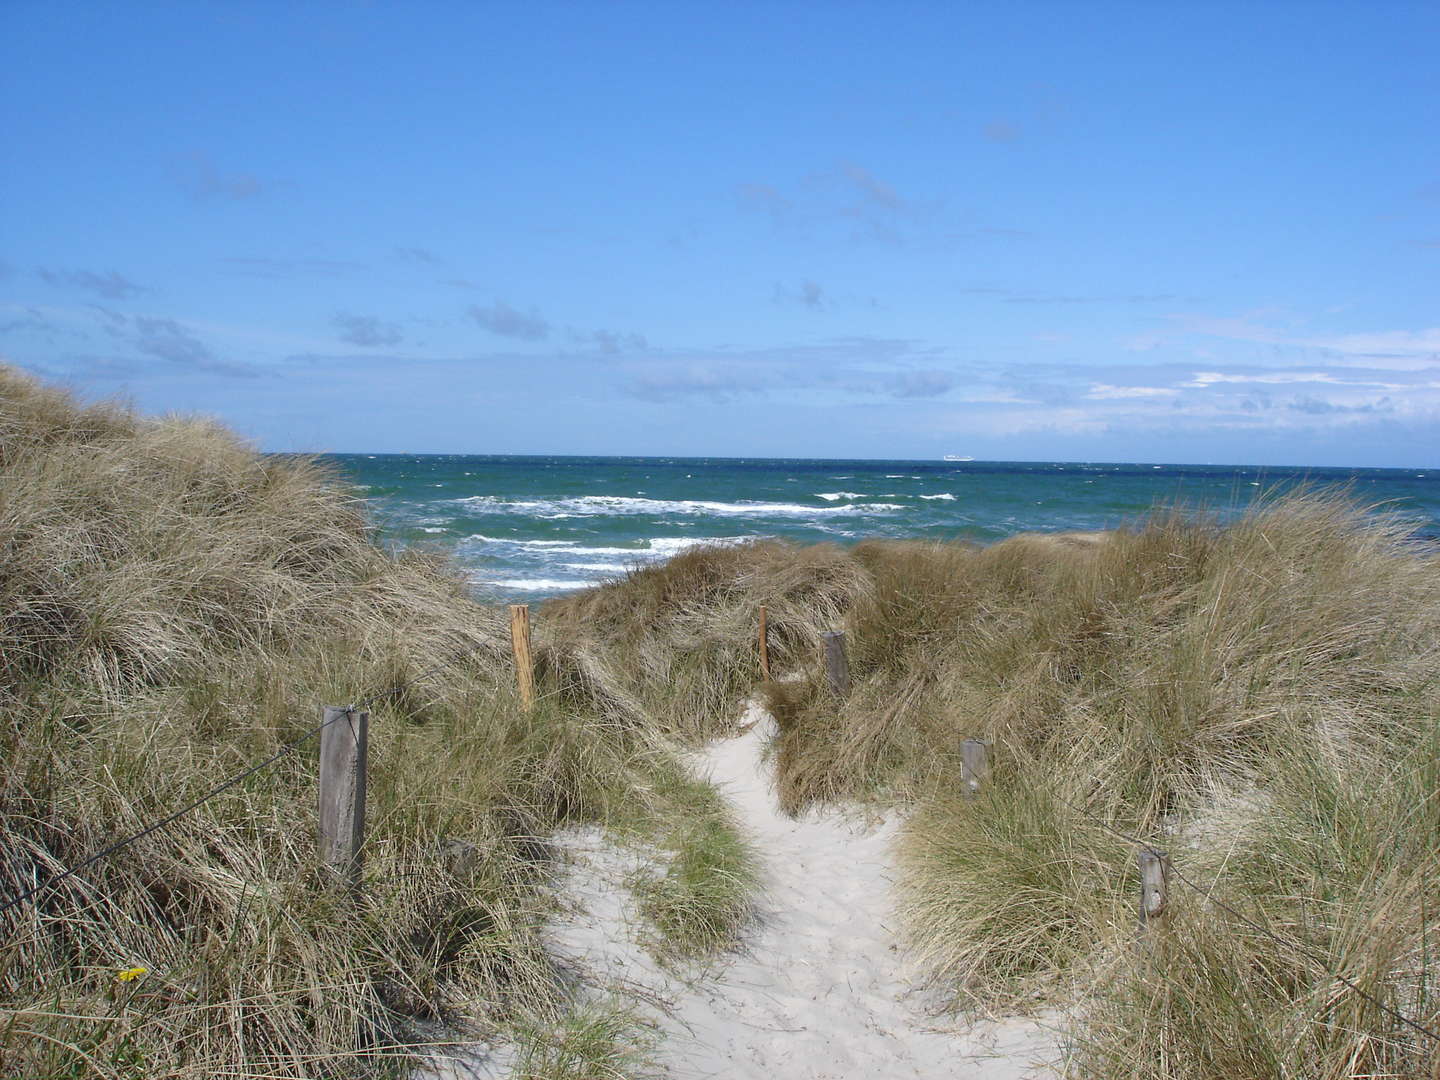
x=1154, y=889
x=764, y=647
x=974, y=766
x=343, y=743
x=837, y=664
x=524, y=665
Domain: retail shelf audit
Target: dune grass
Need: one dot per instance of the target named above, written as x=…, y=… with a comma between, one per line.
x=702, y=901
x=1258, y=696
x=598, y=1041
x=173, y=607
x=681, y=636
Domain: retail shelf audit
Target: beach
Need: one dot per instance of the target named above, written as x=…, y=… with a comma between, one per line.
x=648, y=841
x=817, y=988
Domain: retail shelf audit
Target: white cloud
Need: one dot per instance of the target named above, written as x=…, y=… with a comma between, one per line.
x=1203, y=379
x=1390, y=344
x=1103, y=391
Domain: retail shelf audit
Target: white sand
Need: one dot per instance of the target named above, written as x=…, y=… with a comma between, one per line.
x=821, y=988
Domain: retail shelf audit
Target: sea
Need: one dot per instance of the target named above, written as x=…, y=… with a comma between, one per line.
x=527, y=527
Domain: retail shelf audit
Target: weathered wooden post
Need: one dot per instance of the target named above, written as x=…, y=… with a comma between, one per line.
x=1154, y=891
x=974, y=766
x=764, y=647
x=837, y=664
x=343, y=742
x=524, y=666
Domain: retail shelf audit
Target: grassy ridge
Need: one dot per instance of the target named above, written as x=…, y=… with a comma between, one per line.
x=174, y=607
x=1262, y=698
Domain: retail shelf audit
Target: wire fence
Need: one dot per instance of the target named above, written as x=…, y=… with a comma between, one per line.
x=288, y=748
x=399, y=687
x=1208, y=896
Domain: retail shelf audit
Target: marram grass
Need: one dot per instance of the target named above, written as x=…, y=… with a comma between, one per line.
x=174, y=607
x=1261, y=698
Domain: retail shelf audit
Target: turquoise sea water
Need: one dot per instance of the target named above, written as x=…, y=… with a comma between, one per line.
x=529, y=527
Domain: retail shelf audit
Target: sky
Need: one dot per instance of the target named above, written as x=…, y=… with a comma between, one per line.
x=1180, y=232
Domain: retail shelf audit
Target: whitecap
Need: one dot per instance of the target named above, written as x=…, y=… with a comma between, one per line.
x=534, y=584
x=521, y=543
x=943, y=495
x=599, y=505
x=671, y=545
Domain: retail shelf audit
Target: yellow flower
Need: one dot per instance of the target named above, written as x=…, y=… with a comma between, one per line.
x=131, y=974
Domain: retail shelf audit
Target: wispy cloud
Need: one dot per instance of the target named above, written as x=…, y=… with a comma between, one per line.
x=921, y=384
x=1398, y=349
x=1105, y=392
x=111, y=284
x=1024, y=296
x=27, y=320
x=766, y=199
x=203, y=179
x=858, y=203
x=278, y=268
x=168, y=340
x=366, y=330
x=502, y=319
x=1001, y=131
x=610, y=342
x=808, y=294
x=841, y=368
x=1147, y=401
x=710, y=381
x=1203, y=379
x=422, y=256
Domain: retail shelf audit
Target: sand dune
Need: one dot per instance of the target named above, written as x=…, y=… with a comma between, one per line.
x=821, y=988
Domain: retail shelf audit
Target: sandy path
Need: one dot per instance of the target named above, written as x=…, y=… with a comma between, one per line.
x=821, y=989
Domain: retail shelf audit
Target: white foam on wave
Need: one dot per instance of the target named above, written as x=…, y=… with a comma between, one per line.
x=661, y=546
x=943, y=495
x=522, y=543
x=602, y=567
x=671, y=545
x=657, y=546
x=831, y=496
x=596, y=505
x=534, y=584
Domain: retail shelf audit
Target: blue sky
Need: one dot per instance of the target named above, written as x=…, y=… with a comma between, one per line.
x=1201, y=232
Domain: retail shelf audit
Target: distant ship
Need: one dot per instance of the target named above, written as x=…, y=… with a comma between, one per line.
x=957, y=457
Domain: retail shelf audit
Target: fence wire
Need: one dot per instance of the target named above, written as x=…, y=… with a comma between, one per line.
x=288, y=748
x=400, y=687
x=1235, y=913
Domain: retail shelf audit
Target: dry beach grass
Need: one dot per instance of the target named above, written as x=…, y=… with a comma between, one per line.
x=174, y=607
x=1260, y=697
